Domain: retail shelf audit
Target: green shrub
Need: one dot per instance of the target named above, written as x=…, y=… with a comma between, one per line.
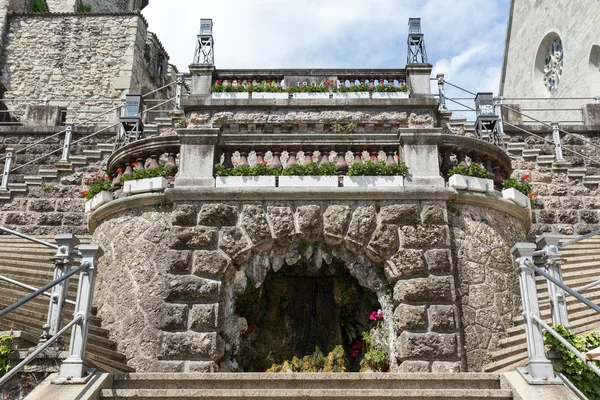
x=389, y=88
x=474, y=170
x=361, y=87
x=147, y=173
x=574, y=369
x=5, y=350
x=246, y=170
x=81, y=7
x=369, y=168
x=311, y=169
x=38, y=6
x=96, y=185
x=519, y=184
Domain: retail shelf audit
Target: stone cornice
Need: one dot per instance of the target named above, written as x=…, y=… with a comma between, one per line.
x=249, y=194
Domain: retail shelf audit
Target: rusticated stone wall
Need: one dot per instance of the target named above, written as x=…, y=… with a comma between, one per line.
x=171, y=273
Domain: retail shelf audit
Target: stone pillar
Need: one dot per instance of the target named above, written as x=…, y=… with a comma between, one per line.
x=202, y=77
x=43, y=115
x=549, y=242
x=418, y=79
x=197, y=157
x=510, y=114
x=591, y=114
x=420, y=152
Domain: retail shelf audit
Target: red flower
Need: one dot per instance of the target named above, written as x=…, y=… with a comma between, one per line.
x=239, y=82
x=133, y=164
x=84, y=193
x=532, y=195
x=526, y=176
x=381, y=81
x=217, y=82
x=328, y=83
x=265, y=162
x=251, y=328
x=119, y=170
x=235, y=163
x=501, y=178
x=95, y=175
x=106, y=177
x=372, y=157
x=310, y=158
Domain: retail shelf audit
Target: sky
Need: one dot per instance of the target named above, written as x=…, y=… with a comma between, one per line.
x=464, y=38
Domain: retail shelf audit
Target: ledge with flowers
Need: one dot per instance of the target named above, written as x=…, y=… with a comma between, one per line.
x=243, y=89
x=474, y=177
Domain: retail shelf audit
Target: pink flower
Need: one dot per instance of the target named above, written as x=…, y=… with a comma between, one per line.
x=375, y=315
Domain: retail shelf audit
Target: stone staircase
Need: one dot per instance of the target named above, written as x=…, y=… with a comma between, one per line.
x=582, y=266
x=233, y=386
x=29, y=263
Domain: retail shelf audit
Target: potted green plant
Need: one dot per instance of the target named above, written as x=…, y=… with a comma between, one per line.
x=360, y=91
x=377, y=174
x=309, y=175
x=260, y=175
x=389, y=91
x=472, y=177
x=97, y=192
x=229, y=90
x=146, y=180
x=268, y=90
x=312, y=90
x=518, y=191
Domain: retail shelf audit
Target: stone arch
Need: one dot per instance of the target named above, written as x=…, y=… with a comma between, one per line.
x=548, y=65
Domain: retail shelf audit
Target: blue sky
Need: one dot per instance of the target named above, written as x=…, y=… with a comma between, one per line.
x=464, y=38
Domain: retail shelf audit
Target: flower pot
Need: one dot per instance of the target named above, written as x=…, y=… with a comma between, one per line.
x=516, y=197
x=158, y=184
x=389, y=95
x=245, y=181
x=308, y=181
x=98, y=200
x=463, y=182
x=230, y=95
x=311, y=95
x=351, y=95
x=373, y=181
x=265, y=95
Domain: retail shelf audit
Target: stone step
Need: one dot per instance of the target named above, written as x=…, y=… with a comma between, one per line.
x=107, y=365
x=516, y=147
x=545, y=160
x=506, y=364
x=514, y=340
x=150, y=129
x=108, y=147
x=591, y=180
x=92, y=154
x=78, y=160
x=576, y=173
x=531, y=153
x=32, y=179
x=48, y=173
x=274, y=394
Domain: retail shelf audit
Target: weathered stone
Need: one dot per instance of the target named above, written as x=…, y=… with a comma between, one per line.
x=481, y=296
x=471, y=272
x=308, y=220
x=410, y=318
x=362, y=225
x=190, y=345
x=439, y=261
x=445, y=367
x=174, y=261
x=434, y=213
x=184, y=288
x=172, y=317
x=184, y=215
x=430, y=289
x=69, y=205
x=204, y=317
x=402, y=214
x=234, y=243
x=415, y=366
x=201, y=367
x=20, y=219
x=441, y=318
x=335, y=222
x=218, y=215
x=195, y=238
x=258, y=268
x=255, y=224
x=405, y=264
x=73, y=219
x=41, y=205
x=212, y=264
x=435, y=346
x=384, y=241
x=589, y=216
x=53, y=219
x=282, y=221
x=567, y=217
x=424, y=236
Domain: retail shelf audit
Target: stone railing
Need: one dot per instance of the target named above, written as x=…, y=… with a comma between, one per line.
x=146, y=153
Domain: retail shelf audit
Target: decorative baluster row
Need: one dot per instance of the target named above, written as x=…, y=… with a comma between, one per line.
x=141, y=163
x=451, y=157
x=351, y=82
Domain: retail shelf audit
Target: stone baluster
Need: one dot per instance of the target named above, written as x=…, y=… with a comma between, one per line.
x=115, y=181
x=475, y=157
x=173, y=165
x=497, y=173
x=446, y=162
x=374, y=155
x=228, y=158
x=292, y=160
x=390, y=159
x=260, y=157
x=128, y=169
x=139, y=164
x=324, y=158
x=341, y=161
x=276, y=163
x=308, y=156
x=153, y=161
x=487, y=164
x=119, y=175
x=461, y=156
x=358, y=156
x=243, y=158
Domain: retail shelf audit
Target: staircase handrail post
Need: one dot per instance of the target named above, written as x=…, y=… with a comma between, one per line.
x=73, y=368
x=442, y=91
x=179, y=91
x=63, y=259
x=7, y=167
x=67, y=144
x=552, y=258
x=558, y=154
x=538, y=368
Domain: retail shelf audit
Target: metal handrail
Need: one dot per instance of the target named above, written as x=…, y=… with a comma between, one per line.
x=25, y=286
x=35, y=240
x=41, y=290
x=579, y=289
x=39, y=349
x=579, y=239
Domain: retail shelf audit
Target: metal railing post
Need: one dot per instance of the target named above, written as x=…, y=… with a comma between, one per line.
x=498, y=110
x=442, y=91
x=7, y=167
x=179, y=91
x=558, y=154
x=67, y=145
x=538, y=368
x=558, y=299
x=73, y=368
x=62, y=265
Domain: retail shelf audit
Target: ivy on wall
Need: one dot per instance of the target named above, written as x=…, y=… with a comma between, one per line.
x=38, y=6
x=81, y=7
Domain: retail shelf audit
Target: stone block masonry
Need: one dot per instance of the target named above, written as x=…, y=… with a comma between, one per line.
x=171, y=274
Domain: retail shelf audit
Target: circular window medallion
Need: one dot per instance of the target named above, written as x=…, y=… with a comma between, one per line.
x=554, y=64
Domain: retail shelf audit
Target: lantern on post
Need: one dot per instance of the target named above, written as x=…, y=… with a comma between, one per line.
x=205, y=47
x=416, y=45
x=131, y=120
x=487, y=125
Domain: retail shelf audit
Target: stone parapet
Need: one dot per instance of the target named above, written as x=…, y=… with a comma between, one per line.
x=179, y=260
